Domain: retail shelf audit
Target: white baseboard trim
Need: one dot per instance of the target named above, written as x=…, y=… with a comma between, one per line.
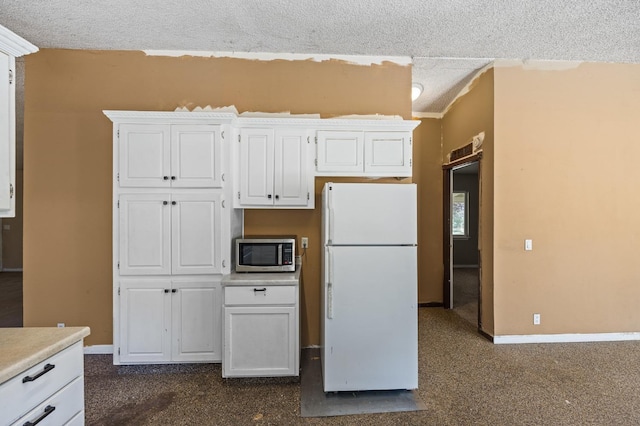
x=98, y=350
x=566, y=338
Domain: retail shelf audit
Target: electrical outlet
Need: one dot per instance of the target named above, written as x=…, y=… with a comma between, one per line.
x=60, y=325
x=528, y=245
x=305, y=242
x=536, y=319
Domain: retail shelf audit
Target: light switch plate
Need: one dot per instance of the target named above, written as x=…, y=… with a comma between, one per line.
x=528, y=245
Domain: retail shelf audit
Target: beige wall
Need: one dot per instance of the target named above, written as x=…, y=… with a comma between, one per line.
x=566, y=176
x=67, y=255
x=427, y=174
x=469, y=115
x=12, y=237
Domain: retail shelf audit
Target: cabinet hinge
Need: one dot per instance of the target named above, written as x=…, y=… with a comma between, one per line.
x=118, y=265
x=238, y=195
x=410, y=163
x=118, y=177
x=307, y=196
x=222, y=203
x=118, y=133
x=410, y=141
x=315, y=160
x=118, y=203
x=238, y=138
x=308, y=139
x=223, y=134
x=118, y=351
x=118, y=291
x=10, y=190
x=10, y=76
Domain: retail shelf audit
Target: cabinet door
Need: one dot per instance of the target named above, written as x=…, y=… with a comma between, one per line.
x=196, y=233
x=145, y=234
x=256, y=167
x=197, y=321
x=196, y=159
x=387, y=153
x=291, y=168
x=145, y=321
x=259, y=341
x=340, y=151
x=7, y=137
x=144, y=155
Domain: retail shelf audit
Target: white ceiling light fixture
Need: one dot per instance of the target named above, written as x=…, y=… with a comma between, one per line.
x=416, y=91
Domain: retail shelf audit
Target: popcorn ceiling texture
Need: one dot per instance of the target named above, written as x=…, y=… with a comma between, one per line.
x=444, y=37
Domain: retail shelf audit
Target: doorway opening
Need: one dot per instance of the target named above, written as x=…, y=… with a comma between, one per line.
x=462, y=265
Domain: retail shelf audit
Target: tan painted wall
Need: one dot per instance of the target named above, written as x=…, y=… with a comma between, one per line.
x=427, y=174
x=67, y=261
x=566, y=176
x=471, y=114
x=12, y=238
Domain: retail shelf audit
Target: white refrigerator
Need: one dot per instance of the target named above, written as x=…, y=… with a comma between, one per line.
x=369, y=326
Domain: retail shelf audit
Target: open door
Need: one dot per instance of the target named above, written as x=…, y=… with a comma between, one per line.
x=448, y=284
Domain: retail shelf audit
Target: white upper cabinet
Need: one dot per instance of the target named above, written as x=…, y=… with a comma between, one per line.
x=162, y=156
x=340, y=151
x=275, y=169
x=11, y=46
x=365, y=153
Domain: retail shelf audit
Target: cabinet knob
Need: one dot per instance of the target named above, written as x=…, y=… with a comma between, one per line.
x=173, y=203
x=165, y=177
x=166, y=290
x=269, y=196
x=174, y=290
x=277, y=197
x=165, y=203
x=173, y=178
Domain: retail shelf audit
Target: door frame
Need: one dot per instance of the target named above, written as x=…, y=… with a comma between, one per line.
x=447, y=238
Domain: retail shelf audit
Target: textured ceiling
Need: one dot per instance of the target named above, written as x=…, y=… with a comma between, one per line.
x=448, y=40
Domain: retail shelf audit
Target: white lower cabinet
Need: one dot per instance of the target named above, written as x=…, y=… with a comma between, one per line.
x=170, y=320
x=261, y=331
x=49, y=393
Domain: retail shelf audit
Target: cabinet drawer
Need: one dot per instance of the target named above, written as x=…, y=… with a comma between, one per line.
x=21, y=396
x=260, y=295
x=61, y=407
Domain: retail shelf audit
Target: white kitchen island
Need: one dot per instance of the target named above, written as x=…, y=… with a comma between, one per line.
x=42, y=375
x=261, y=324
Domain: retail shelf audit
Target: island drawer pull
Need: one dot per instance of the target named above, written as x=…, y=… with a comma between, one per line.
x=47, y=410
x=255, y=290
x=46, y=369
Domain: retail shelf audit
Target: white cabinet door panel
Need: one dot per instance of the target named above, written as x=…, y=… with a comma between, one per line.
x=145, y=155
x=145, y=320
x=145, y=234
x=340, y=151
x=7, y=138
x=291, y=168
x=256, y=166
x=387, y=152
x=196, y=159
x=259, y=341
x=196, y=312
x=196, y=230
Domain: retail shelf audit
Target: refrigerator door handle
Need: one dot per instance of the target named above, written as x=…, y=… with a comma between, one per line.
x=330, y=301
x=330, y=225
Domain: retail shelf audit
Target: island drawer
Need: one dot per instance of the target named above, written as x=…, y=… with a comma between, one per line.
x=59, y=408
x=28, y=389
x=260, y=295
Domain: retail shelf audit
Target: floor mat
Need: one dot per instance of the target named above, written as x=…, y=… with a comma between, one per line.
x=314, y=402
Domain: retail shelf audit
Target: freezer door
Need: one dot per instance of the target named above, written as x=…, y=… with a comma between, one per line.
x=370, y=324
x=370, y=214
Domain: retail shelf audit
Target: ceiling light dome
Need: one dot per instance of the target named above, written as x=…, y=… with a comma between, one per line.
x=416, y=91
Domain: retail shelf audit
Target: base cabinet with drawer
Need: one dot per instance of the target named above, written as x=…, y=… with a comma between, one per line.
x=261, y=329
x=49, y=393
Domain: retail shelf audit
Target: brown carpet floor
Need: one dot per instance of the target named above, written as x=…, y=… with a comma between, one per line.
x=465, y=293
x=464, y=380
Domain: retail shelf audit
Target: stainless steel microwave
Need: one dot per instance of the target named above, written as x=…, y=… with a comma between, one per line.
x=266, y=254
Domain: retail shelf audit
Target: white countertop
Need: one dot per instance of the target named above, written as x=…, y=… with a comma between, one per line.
x=266, y=278
x=22, y=348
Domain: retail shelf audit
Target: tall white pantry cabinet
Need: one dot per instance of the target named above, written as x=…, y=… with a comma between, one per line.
x=173, y=223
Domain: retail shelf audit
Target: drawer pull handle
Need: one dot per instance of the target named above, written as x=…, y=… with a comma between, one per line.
x=46, y=369
x=255, y=290
x=47, y=410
